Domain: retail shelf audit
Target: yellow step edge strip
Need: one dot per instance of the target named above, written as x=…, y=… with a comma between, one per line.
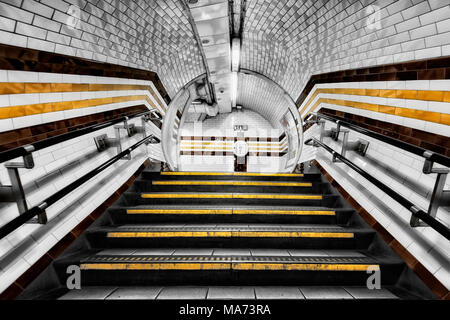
x=228, y=211
x=230, y=266
x=228, y=234
x=228, y=196
x=256, y=174
x=234, y=183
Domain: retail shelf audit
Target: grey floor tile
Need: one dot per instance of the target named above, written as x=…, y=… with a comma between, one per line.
x=116, y=252
x=345, y=253
x=229, y=293
x=307, y=253
x=135, y=293
x=278, y=293
x=174, y=293
x=269, y=252
x=88, y=293
x=193, y=252
x=365, y=293
x=153, y=252
x=231, y=252
x=325, y=293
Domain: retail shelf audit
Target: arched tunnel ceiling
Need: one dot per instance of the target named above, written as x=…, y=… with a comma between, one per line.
x=262, y=96
x=285, y=40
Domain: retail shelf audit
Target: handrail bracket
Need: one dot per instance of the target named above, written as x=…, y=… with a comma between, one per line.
x=15, y=192
x=439, y=196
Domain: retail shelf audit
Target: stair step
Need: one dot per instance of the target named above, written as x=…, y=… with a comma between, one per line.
x=227, y=292
x=243, y=270
x=205, y=213
x=230, y=235
x=203, y=198
x=231, y=183
x=241, y=176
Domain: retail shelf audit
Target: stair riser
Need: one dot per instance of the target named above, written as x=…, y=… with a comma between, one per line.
x=217, y=218
x=361, y=241
x=148, y=188
x=232, y=277
x=157, y=176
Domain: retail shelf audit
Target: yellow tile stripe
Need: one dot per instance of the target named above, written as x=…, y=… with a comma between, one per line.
x=227, y=196
x=24, y=88
x=26, y=110
x=234, y=183
x=228, y=234
x=230, y=266
x=256, y=174
x=228, y=211
x=425, y=95
x=436, y=117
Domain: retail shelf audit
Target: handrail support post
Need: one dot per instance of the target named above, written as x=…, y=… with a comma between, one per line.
x=439, y=196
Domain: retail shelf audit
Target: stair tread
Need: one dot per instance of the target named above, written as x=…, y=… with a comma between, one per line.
x=232, y=227
x=228, y=292
x=233, y=252
x=224, y=207
x=95, y=259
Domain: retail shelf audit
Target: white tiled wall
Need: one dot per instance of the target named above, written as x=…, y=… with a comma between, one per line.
x=401, y=171
x=223, y=126
x=26, y=245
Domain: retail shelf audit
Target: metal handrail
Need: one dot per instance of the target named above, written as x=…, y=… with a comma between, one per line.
x=420, y=214
x=431, y=156
x=40, y=208
x=25, y=150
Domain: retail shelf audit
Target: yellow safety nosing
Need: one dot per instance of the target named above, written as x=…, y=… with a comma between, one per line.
x=249, y=234
x=234, y=183
x=228, y=266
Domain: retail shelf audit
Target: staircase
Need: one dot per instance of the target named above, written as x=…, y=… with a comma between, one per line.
x=176, y=235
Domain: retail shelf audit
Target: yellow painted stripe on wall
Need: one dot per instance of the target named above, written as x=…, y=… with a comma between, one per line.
x=256, y=174
x=228, y=266
x=181, y=211
x=228, y=196
x=425, y=95
x=26, y=110
x=402, y=112
x=228, y=234
x=26, y=88
x=234, y=183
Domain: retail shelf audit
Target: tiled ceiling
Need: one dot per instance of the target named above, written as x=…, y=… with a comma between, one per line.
x=285, y=40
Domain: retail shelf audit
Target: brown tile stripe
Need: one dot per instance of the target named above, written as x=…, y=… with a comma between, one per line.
x=429, y=69
x=433, y=142
x=15, y=289
x=16, y=138
x=428, y=278
x=247, y=139
x=224, y=153
x=24, y=59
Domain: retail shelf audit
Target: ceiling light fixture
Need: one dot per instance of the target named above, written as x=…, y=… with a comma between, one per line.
x=235, y=54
